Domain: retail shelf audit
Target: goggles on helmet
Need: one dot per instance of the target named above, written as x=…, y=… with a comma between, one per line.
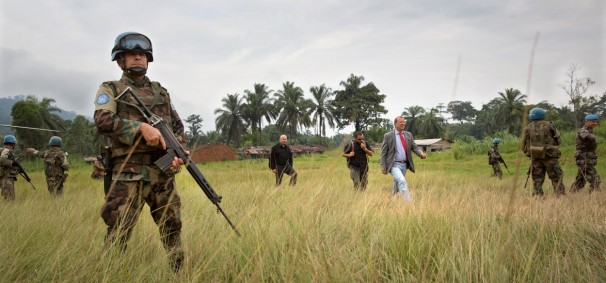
x=134, y=42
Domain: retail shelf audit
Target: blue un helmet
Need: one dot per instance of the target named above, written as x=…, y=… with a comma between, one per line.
x=537, y=114
x=10, y=139
x=132, y=41
x=592, y=117
x=55, y=141
x=496, y=141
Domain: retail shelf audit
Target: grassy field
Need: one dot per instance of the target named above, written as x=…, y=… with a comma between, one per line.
x=462, y=226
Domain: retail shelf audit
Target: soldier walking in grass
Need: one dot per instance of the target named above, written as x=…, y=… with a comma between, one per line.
x=586, y=156
x=8, y=172
x=494, y=157
x=55, y=165
x=357, y=152
x=136, y=145
x=540, y=143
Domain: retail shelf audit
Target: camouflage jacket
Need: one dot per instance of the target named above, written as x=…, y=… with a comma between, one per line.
x=121, y=121
x=493, y=155
x=6, y=164
x=586, y=141
x=55, y=161
x=541, y=140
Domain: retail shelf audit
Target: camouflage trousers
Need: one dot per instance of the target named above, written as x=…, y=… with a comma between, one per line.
x=55, y=185
x=586, y=173
x=359, y=176
x=496, y=170
x=8, y=188
x=553, y=170
x=124, y=203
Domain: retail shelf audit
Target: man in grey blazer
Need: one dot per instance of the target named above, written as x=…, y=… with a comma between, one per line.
x=396, y=156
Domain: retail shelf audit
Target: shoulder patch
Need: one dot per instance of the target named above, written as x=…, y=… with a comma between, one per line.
x=102, y=99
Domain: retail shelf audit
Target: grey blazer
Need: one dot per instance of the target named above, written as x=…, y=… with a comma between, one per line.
x=388, y=150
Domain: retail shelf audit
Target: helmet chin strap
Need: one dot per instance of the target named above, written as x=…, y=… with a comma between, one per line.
x=136, y=71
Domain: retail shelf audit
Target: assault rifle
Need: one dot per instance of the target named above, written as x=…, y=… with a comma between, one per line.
x=20, y=169
x=527, y=176
x=504, y=164
x=108, y=165
x=174, y=149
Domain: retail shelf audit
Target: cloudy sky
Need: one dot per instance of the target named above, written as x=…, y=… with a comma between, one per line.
x=416, y=52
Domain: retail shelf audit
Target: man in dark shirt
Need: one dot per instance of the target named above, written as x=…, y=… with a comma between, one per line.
x=356, y=152
x=280, y=162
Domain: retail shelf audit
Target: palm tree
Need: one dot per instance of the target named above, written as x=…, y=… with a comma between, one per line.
x=412, y=114
x=511, y=109
x=32, y=112
x=294, y=108
x=432, y=124
x=323, y=108
x=230, y=121
x=258, y=106
x=51, y=120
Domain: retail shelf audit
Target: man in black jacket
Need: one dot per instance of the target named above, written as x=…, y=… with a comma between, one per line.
x=280, y=162
x=356, y=152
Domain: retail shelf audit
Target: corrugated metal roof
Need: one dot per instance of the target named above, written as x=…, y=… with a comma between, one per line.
x=427, y=141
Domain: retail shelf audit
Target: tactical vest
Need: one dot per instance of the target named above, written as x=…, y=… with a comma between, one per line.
x=53, y=162
x=542, y=143
x=155, y=97
x=492, y=155
x=7, y=171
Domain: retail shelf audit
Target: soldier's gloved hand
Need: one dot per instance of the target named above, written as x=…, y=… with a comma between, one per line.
x=152, y=136
x=30, y=150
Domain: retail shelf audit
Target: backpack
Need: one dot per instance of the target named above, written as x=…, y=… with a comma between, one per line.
x=542, y=143
x=348, y=148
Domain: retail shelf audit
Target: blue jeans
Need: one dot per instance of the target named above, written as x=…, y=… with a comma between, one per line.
x=400, y=186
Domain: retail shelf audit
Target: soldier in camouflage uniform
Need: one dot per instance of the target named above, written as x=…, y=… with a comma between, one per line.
x=137, y=180
x=586, y=156
x=540, y=143
x=55, y=165
x=8, y=172
x=494, y=157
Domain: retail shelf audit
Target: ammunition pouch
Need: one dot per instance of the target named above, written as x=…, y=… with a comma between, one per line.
x=544, y=152
x=537, y=152
x=144, y=158
x=552, y=151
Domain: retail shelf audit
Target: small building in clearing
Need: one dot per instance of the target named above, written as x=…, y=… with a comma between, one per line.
x=431, y=145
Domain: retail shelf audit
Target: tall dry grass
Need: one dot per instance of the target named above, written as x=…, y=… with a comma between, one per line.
x=462, y=226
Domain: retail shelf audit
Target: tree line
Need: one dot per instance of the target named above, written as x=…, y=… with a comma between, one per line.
x=239, y=121
x=79, y=134
x=260, y=115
